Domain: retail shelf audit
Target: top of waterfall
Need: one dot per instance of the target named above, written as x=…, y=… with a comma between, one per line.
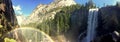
x=94, y=9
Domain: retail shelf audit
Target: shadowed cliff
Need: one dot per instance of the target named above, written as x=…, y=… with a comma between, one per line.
x=7, y=17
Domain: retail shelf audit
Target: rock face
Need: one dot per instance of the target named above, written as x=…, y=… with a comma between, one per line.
x=108, y=23
x=7, y=17
x=43, y=12
x=7, y=10
x=108, y=19
x=78, y=24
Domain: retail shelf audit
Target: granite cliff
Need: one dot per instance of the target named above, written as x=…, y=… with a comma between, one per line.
x=43, y=12
x=8, y=20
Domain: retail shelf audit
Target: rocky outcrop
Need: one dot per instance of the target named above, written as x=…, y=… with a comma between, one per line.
x=7, y=17
x=7, y=10
x=78, y=24
x=108, y=23
x=43, y=12
x=108, y=20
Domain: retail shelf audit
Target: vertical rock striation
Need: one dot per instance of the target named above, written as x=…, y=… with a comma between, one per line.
x=8, y=20
x=44, y=12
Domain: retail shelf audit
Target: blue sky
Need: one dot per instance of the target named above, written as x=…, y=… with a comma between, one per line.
x=27, y=6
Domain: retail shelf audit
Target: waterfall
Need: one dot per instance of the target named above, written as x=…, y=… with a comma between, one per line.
x=92, y=24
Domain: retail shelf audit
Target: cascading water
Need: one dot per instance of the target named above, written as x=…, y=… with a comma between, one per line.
x=92, y=24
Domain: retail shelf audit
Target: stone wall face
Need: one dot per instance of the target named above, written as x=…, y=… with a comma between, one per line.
x=9, y=12
x=8, y=20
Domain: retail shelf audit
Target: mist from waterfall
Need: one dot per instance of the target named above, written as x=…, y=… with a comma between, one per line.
x=92, y=24
x=28, y=34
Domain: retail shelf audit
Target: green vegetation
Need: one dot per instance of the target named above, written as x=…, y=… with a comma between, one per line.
x=5, y=26
x=61, y=22
x=90, y=4
x=9, y=40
